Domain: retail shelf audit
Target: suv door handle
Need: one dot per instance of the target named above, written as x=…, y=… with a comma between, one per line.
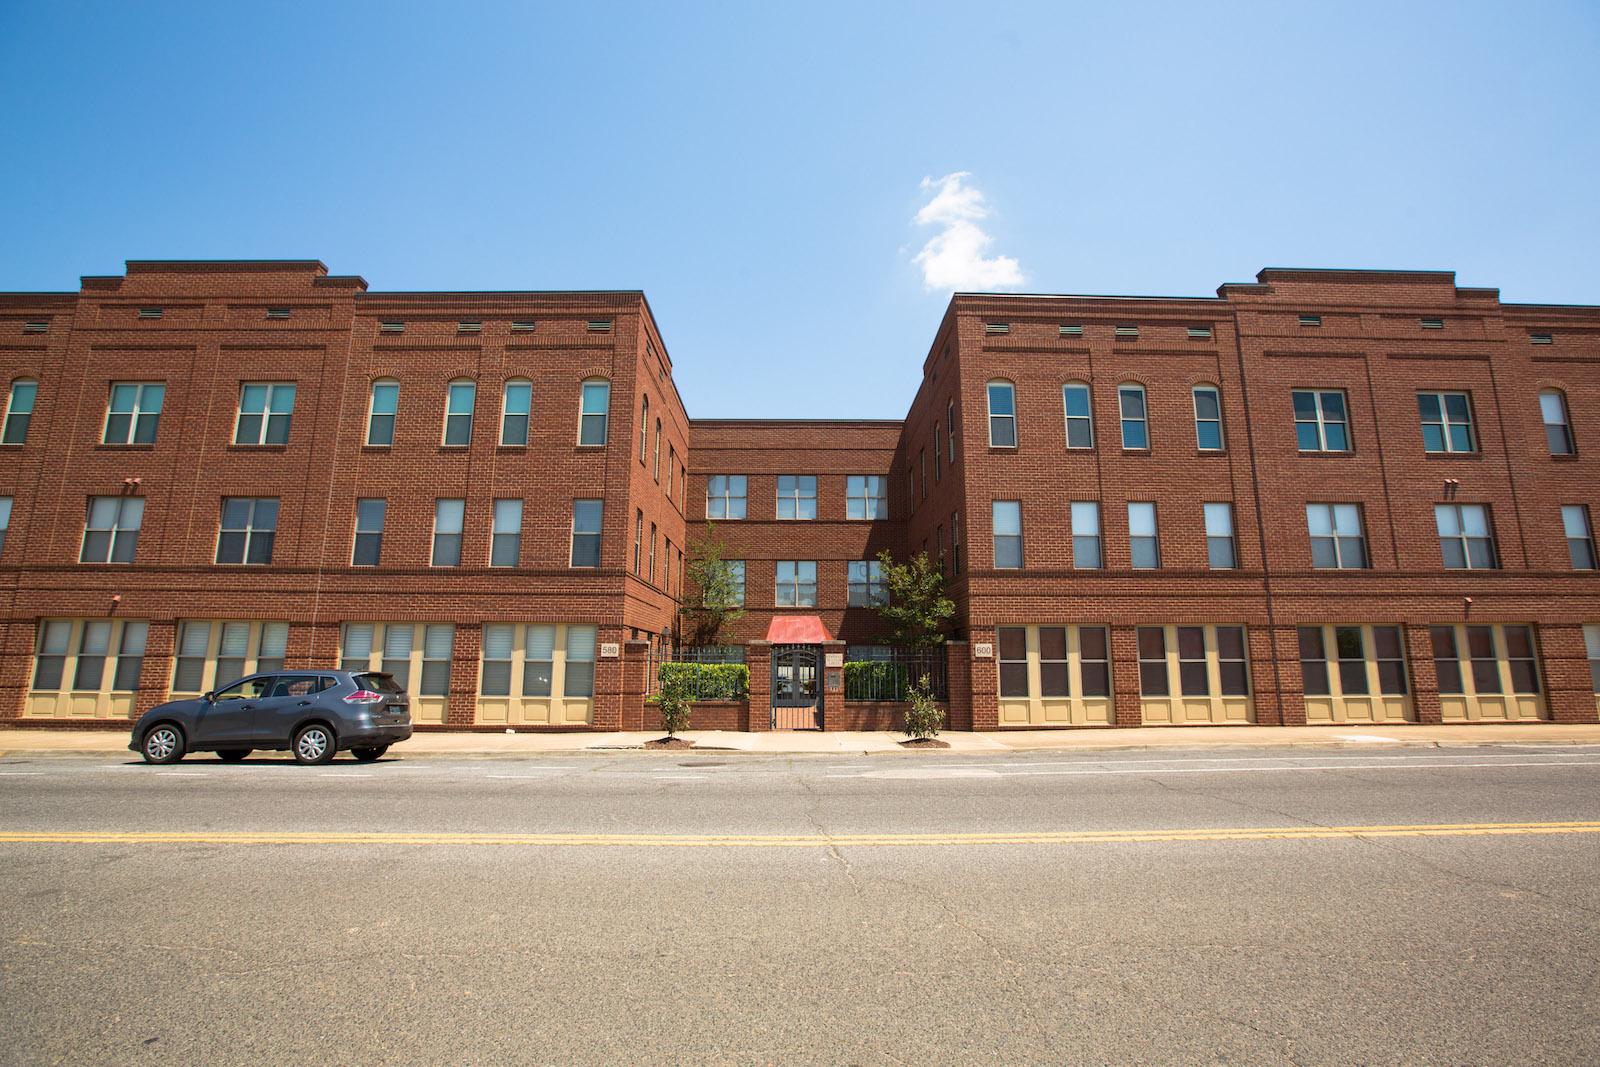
x=247, y=707
x=304, y=704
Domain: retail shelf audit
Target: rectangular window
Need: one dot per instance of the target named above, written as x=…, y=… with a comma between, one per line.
x=264, y=412
x=797, y=584
x=938, y=464
x=638, y=539
x=1153, y=680
x=672, y=467
x=1207, y=418
x=1591, y=644
x=644, y=428
x=505, y=548
x=652, y=553
x=922, y=467
x=1464, y=538
x=1313, y=662
x=514, y=414
x=369, y=533
x=1557, y=427
x=1389, y=653
x=1499, y=659
x=19, y=411
x=1080, y=420
x=5, y=520
x=1580, y=536
x=1013, y=658
x=1007, y=517
x=586, y=517
x=865, y=497
x=1219, y=537
x=797, y=496
x=494, y=676
x=580, y=661
x=725, y=496
x=950, y=430
x=448, y=519
x=1194, y=679
x=1363, y=654
x=1336, y=538
x=1002, y=415
x=398, y=641
x=736, y=581
x=1094, y=661
x=380, y=415
x=866, y=584
x=111, y=531
x=1446, y=658
x=50, y=661
x=134, y=412
x=1320, y=421
x=438, y=644
x=130, y=656
x=1352, y=659
x=1135, y=433
x=655, y=462
x=210, y=654
x=248, y=527
x=460, y=397
x=1055, y=680
x=593, y=411
x=1086, y=534
x=355, y=650
x=1053, y=668
x=538, y=661
x=1144, y=544
x=955, y=542
x=81, y=650
x=1446, y=422
x=272, y=646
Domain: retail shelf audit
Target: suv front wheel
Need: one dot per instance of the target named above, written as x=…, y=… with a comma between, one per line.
x=314, y=744
x=163, y=744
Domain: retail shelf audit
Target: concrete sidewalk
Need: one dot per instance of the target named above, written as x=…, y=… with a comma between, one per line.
x=36, y=742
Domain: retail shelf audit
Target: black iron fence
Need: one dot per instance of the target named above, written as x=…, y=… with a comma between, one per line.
x=889, y=673
x=714, y=672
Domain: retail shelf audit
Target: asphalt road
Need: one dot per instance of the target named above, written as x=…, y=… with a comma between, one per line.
x=1197, y=908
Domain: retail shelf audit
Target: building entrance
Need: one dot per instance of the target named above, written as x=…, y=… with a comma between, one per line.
x=796, y=697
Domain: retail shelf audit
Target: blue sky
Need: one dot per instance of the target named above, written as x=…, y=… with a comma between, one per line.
x=759, y=169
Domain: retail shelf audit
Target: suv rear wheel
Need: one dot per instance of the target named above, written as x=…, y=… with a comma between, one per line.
x=314, y=744
x=367, y=755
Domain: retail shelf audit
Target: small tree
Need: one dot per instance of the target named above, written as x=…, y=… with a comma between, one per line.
x=716, y=600
x=917, y=607
x=923, y=717
x=672, y=700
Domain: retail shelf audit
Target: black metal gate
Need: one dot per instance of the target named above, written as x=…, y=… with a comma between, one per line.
x=796, y=692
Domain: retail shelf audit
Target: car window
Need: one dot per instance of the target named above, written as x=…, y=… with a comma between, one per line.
x=296, y=686
x=379, y=683
x=326, y=681
x=248, y=689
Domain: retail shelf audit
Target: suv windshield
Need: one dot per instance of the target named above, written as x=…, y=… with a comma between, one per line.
x=381, y=683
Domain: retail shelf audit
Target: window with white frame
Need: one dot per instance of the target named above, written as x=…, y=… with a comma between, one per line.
x=1007, y=518
x=248, y=527
x=1580, y=536
x=1557, y=425
x=448, y=519
x=655, y=462
x=111, y=529
x=638, y=539
x=1321, y=420
x=1219, y=537
x=514, y=409
x=593, y=408
x=133, y=412
x=1135, y=430
x=1002, y=415
x=735, y=571
x=1144, y=543
x=797, y=496
x=866, y=584
x=461, y=396
x=265, y=409
x=586, y=521
x=644, y=428
x=865, y=497
x=19, y=411
x=1446, y=422
x=1085, y=516
x=1080, y=417
x=1336, y=539
x=796, y=584
x=1207, y=418
x=368, y=549
x=950, y=430
x=1464, y=538
x=505, y=543
x=725, y=496
x=381, y=408
x=652, y=574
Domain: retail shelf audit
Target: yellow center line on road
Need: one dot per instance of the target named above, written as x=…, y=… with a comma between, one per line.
x=1070, y=837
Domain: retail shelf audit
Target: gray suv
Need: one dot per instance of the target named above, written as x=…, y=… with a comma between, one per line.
x=312, y=713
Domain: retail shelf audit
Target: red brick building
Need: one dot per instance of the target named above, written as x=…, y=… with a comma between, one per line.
x=1324, y=496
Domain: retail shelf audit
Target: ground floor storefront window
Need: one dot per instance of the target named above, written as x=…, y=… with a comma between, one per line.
x=1354, y=674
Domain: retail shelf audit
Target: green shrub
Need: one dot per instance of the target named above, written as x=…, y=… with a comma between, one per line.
x=707, y=681
x=673, y=702
x=923, y=718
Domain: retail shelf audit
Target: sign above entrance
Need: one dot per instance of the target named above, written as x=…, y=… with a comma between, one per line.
x=797, y=630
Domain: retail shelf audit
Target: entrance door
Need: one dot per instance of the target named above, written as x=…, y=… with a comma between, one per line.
x=796, y=697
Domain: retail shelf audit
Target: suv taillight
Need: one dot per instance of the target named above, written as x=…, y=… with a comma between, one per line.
x=364, y=696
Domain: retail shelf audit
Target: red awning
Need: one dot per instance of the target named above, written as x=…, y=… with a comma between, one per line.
x=797, y=630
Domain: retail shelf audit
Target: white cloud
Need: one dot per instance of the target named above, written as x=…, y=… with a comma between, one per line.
x=953, y=258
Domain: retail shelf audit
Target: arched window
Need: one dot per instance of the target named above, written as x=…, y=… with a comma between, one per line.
x=461, y=395
x=1135, y=430
x=1002, y=415
x=1207, y=418
x=381, y=409
x=644, y=429
x=593, y=406
x=1557, y=426
x=19, y=411
x=1080, y=420
x=514, y=412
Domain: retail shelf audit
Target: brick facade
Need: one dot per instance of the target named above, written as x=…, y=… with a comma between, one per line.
x=1376, y=340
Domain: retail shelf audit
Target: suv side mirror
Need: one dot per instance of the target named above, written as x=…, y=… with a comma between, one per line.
x=209, y=697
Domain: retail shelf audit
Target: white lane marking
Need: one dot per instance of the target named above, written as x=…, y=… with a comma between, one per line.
x=327, y=774
x=935, y=773
x=21, y=772
x=182, y=774
x=1261, y=759
x=679, y=777
x=534, y=776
